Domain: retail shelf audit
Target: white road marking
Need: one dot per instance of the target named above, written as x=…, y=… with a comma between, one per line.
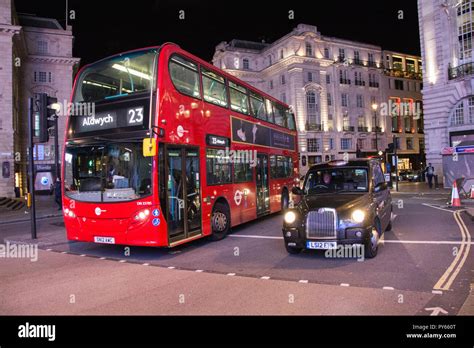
x=388, y=288
x=436, y=310
x=253, y=236
x=381, y=240
x=435, y=207
x=437, y=292
x=344, y=284
x=231, y=274
x=448, y=242
x=462, y=225
x=199, y=271
x=122, y=261
x=63, y=252
x=450, y=274
x=49, y=249
x=265, y=277
x=103, y=258
x=82, y=255
x=171, y=267
x=304, y=281
x=145, y=264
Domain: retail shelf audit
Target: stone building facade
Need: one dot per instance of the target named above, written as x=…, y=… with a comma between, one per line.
x=446, y=34
x=331, y=84
x=35, y=57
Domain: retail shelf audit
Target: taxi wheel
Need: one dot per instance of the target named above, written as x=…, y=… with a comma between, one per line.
x=292, y=250
x=220, y=221
x=372, y=243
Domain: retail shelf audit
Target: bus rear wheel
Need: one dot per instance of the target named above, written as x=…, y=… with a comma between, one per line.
x=220, y=221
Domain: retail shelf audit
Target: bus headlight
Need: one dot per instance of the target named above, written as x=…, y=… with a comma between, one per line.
x=142, y=215
x=358, y=215
x=290, y=217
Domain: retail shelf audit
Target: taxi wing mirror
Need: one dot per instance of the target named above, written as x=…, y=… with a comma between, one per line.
x=149, y=147
x=297, y=191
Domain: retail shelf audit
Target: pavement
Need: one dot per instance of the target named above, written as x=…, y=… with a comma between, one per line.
x=45, y=207
x=416, y=270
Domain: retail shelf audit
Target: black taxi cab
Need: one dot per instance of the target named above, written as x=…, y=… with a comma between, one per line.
x=340, y=202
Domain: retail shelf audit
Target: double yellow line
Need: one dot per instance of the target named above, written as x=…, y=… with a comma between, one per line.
x=445, y=282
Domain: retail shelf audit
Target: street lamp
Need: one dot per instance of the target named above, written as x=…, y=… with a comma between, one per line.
x=374, y=107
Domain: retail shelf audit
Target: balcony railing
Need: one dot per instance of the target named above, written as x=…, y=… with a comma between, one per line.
x=362, y=129
x=314, y=127
x=373, y=84
x=344, y=81
x=348, y=128
x=359, y=82
x=461, y=71
x=403, y=74
x=377, y=129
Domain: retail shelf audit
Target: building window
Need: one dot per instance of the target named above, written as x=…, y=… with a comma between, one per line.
x=361, y=121
x=328, y=79
x=310, y=77
x=471, y=109
x=329, y=99
x=356, y=57
x=344, y=100
x=331, y=144
x=309, y=50
x=360, y=144
x=399, y=85
x=313, y=145
x=270, y=84
x=458, y=118
x=409, y=143
x=312, y=113
x=371, y=60
x=283, y=97
x=281, y=54
x=246, y=64
x=374, y=143
x=42, y=47
x=342, y=54
x=346, y=143
x=282, y=79
x=465, y=31
x=360, y=101
x=270, y=60
x=42, y=76
x=326, y=52
x=373, y=81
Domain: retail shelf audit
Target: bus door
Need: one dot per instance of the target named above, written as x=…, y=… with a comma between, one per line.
x=183, y=193
x=263, y=187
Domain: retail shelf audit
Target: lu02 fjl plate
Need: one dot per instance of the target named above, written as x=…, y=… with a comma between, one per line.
x=104, y=240
x=321, y=245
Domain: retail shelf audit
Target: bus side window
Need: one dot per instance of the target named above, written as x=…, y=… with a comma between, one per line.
x=184, y=76
x=258, y=106
x=269, y=108
x=214, y=88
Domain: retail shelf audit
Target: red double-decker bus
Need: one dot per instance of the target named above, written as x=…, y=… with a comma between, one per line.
x=163, y=148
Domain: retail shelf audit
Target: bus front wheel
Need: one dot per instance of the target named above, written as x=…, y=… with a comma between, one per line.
x=220, y=221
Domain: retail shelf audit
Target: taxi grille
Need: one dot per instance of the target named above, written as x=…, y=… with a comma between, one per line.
x=321, y=224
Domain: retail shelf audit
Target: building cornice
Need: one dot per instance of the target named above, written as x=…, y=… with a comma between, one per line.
x=54, y=59
x=10, y=29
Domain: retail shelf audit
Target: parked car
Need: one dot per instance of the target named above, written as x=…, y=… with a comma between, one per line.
x=409, y=175
x=340, y=203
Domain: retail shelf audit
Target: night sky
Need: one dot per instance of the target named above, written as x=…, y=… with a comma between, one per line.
x=105, y=27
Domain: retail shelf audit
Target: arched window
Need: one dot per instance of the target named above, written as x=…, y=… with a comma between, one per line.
x=246, y=64
x=463, y=112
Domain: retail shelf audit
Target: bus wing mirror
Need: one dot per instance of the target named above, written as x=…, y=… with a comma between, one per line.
x=149, y=147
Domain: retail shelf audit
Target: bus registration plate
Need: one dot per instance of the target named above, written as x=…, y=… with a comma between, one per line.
x=104, y=240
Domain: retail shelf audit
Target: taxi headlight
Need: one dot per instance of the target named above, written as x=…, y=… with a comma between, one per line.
x=290, y=217
x=358, y=215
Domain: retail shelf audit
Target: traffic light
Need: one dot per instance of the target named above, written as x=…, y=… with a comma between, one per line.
x=44, y=113
x=390, y=148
